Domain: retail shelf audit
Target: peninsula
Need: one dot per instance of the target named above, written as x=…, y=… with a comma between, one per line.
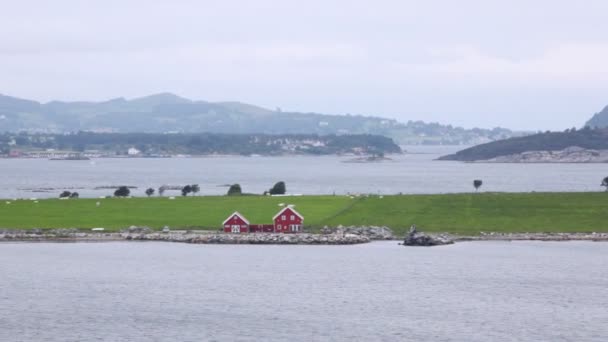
x=571, y=146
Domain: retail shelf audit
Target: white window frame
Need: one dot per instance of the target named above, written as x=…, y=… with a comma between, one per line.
x=235, y=228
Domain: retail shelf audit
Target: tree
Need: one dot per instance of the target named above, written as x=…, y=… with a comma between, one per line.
x=477, y=184
x=65, y=194
x=278, y=189
x=186, y=190
x=195, y=188
x=122, y=191
x=605, y=183
x=235, y=190
x=161, y=190
x=149, y=192
x=74, y=195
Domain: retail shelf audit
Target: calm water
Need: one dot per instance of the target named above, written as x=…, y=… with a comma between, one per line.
x=524, y=291
x=409, y=173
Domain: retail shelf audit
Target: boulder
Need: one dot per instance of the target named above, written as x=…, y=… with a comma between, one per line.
x=136, y=229
x=415, y=238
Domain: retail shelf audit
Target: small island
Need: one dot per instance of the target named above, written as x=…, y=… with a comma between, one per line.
x=85, y=145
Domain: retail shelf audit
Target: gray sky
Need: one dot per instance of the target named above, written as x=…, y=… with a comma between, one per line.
x=519, y=64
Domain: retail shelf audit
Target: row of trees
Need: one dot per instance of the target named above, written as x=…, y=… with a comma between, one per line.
x=234, y=190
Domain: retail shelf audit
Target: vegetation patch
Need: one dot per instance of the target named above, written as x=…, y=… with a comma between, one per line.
x=467, y=214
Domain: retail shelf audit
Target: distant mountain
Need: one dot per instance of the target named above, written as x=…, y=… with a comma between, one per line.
x=592, y=140
x=599, y=120
x=163, y=113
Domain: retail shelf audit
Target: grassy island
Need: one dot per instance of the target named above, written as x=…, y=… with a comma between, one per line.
x=467, y=214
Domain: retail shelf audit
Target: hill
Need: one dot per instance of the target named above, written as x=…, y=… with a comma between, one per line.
x=599, y=120
x=162, y=113
x=588, y=139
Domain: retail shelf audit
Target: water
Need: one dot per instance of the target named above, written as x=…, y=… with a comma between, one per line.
x=409, y=173
x=482, y=291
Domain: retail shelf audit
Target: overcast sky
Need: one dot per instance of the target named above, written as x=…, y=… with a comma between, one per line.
x=522, y=64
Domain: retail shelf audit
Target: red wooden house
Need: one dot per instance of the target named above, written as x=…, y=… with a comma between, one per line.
x=236, y=223
x=288, y=220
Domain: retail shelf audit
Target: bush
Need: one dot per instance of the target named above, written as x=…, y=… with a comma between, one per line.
x=278, y=189
x=477, y=184
x=65, y=194
x=186, y=190
x=74, y=195
x=122, y=191
x=149, y=192
x=195, y=188
x=235, y=190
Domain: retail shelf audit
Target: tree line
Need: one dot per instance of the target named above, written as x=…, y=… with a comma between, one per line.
x=201, y=143
x=278, y=188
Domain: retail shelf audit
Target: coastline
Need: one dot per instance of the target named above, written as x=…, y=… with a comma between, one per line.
x=271, y=238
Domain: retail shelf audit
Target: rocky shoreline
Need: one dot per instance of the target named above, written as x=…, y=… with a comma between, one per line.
x=73, y=235
x=330, y=236
x=535, y=237
x=572, y=154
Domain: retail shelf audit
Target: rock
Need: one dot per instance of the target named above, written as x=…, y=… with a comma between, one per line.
x=415, y=238
x=572, y=154
x=257, y=238
x=136, y=229
x=64, y=232
x=371, y=232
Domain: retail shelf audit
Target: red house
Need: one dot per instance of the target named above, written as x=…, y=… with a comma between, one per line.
x=236, y=223
x=288, y=220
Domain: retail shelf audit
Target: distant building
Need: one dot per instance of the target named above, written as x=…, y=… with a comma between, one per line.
x=133, y=151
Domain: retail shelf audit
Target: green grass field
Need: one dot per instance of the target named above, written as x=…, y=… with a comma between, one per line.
x=457, y=213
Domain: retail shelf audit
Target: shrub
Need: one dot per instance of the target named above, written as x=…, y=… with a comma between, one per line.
x=122, y=191
x=477, y=184
x=195, y=188
x=235, y=189
x=278, y=189
x=186, y=190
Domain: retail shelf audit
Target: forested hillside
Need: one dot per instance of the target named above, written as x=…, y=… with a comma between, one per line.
x=596, y=139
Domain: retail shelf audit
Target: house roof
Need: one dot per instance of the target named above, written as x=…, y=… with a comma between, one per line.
x=285, y=209
x=236, y=213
